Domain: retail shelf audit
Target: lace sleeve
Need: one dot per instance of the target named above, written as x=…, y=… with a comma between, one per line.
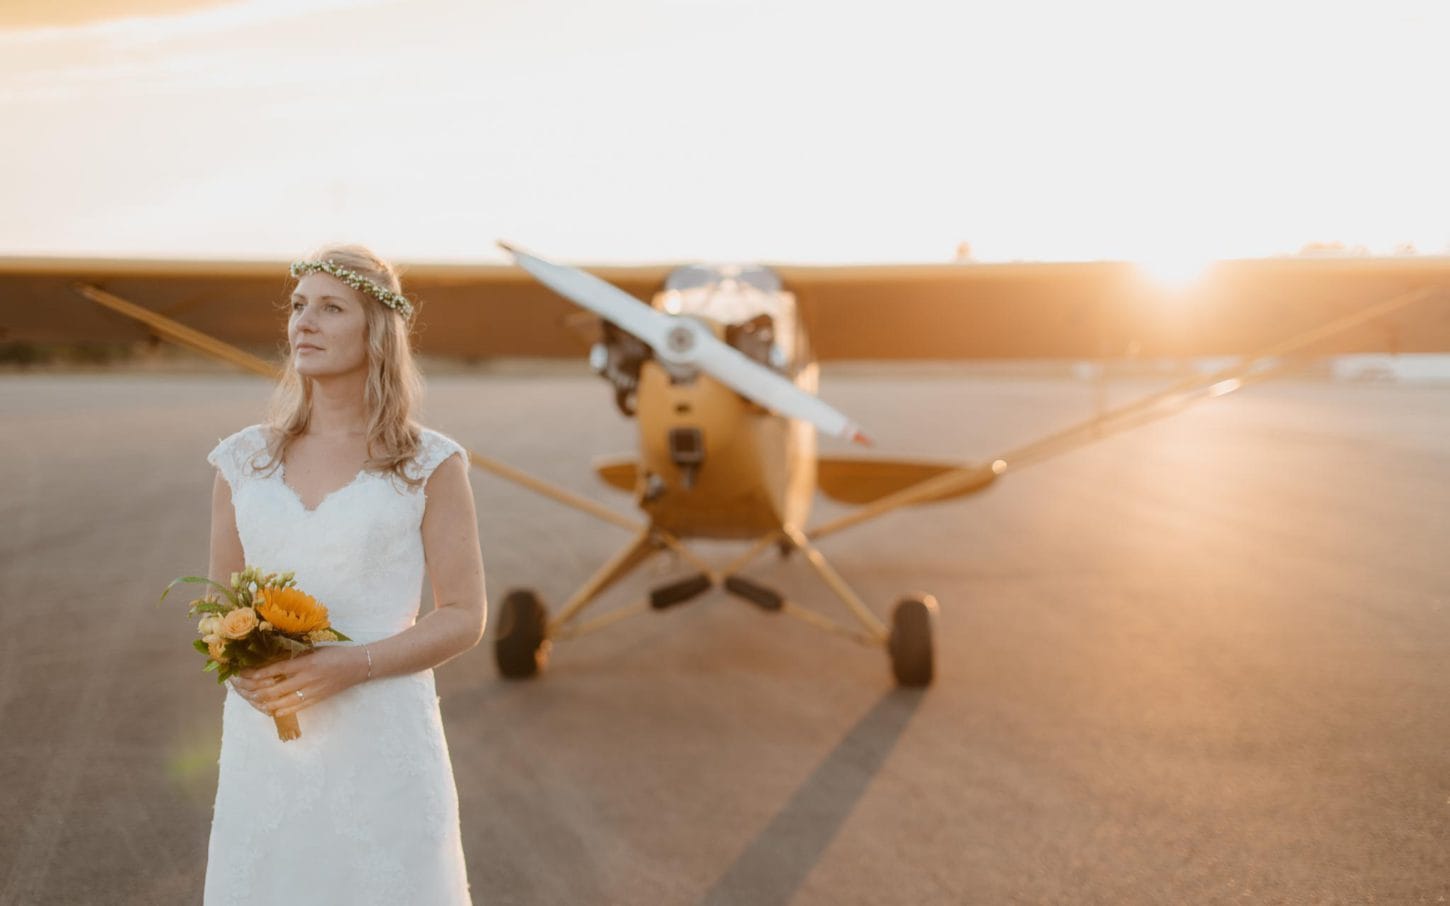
x=232, y=455
x=435, y=449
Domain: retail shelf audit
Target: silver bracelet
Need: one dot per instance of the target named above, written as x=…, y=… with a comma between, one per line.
x=370, y=661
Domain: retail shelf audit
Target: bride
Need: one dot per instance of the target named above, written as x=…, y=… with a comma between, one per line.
x=344, y=489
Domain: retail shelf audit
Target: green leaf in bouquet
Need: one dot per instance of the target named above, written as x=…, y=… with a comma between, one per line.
x=210, y=665
x=204, y=605
x=340, y=636
x=199, y=645
x=291, y=645
x=199, y=580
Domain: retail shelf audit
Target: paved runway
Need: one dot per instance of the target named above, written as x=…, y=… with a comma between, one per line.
x=1202, y=662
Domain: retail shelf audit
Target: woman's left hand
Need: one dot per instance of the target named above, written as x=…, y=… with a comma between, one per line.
x=318, y=675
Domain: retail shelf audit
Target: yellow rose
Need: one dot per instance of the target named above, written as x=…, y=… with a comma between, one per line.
x=239, y=623
x=216, y=648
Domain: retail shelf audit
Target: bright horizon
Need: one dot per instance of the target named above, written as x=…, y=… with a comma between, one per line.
x=804, y=132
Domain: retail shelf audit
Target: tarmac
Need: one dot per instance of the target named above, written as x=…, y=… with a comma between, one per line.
x=1205, y=661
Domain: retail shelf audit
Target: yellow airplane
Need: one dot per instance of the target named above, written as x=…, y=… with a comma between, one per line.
x=720, y=371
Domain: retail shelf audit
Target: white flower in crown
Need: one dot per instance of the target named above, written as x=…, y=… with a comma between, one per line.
x=395, y=301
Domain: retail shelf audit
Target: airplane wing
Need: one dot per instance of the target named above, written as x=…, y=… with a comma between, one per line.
x=860, y=481
x=620, y=473
x=946, y=311
x=852, y=480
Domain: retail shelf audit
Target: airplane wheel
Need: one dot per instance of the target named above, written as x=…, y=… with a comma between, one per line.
x=910, y=642
x=520, y=645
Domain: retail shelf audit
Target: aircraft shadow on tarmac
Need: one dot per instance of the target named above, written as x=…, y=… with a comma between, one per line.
x=770, y=870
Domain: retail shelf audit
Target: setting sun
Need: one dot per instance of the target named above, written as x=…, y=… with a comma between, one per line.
x=1174, y=272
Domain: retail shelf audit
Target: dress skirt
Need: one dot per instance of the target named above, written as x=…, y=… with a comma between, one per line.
x=362, y=809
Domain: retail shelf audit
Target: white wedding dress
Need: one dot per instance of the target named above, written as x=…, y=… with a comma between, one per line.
x=362, y=808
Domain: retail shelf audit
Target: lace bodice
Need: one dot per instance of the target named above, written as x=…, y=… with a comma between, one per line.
x=359, y=552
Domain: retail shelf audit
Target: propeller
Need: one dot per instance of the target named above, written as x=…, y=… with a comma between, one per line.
x=686, y=342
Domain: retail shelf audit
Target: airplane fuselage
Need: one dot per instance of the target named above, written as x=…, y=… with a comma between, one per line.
x=756, y=471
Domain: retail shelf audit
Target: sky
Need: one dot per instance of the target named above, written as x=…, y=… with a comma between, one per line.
x=783, y=130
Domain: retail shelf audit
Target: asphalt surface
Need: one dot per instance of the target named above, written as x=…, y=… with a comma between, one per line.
x=1202, y=662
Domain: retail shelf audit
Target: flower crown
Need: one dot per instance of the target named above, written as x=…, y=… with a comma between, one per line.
x=396, y=301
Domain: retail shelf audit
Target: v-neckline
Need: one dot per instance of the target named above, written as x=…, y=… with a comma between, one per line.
x=302, y=504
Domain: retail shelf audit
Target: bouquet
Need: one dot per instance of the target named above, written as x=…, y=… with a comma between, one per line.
x=261, y=619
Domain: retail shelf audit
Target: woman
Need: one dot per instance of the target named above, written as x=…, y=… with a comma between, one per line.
x=342, y=488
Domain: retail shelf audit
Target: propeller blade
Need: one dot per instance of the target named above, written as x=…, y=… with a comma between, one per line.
x=772, y=390
x=604, y=299
x=682, y=342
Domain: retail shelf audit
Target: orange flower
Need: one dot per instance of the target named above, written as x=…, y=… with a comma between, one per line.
x=292, y=611
x=238, y=624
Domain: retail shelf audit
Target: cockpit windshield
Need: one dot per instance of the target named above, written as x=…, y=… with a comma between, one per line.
x=697, y=276
x=748, y=299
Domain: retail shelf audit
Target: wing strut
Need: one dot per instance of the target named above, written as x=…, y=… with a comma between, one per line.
x=1150, y=408
x=179, y=333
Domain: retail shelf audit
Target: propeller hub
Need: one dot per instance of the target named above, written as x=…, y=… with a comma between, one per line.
x=679, y=347
x=681, y=339
x=682, y=342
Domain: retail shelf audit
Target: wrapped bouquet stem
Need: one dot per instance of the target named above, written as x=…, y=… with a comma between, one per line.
x=287, y=727
x=259, y=619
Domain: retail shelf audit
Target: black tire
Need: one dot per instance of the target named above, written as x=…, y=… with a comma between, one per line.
x=520, y=644
x=910, y=643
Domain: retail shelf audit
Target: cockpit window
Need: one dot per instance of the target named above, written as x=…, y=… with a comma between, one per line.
x=749, y=300
x=700, y=276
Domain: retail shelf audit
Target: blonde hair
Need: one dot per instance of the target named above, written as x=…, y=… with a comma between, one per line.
x=394, y=386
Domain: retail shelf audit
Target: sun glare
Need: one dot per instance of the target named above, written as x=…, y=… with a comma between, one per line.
x=1173, y=271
